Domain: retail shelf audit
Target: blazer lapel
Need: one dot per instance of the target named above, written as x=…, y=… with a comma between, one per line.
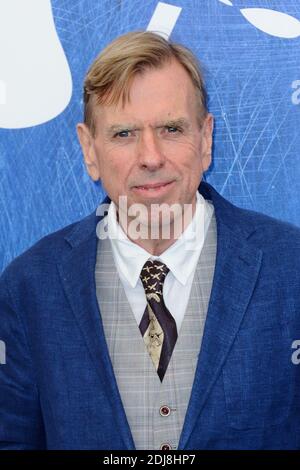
x=77, y=269
x=236, y=271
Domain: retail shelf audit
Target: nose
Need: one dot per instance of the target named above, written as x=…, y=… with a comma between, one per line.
x=150, y=153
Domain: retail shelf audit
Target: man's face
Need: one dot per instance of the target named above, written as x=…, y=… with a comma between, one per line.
x=154, y=140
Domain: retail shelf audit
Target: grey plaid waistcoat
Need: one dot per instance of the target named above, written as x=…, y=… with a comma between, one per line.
x=142, y=393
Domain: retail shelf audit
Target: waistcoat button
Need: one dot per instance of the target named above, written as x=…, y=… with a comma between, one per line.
x=165, y=447
x=164, y=410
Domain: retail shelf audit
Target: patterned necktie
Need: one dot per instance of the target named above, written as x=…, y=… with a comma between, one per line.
x=157, y=326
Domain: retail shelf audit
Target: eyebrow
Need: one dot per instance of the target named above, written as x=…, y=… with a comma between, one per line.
x=121, y=127
x=180, y=122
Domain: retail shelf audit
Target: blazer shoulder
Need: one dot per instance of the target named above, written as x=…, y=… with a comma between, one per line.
x=279, y=241
x=50, y=248
x=268, y=229
x=262, y=229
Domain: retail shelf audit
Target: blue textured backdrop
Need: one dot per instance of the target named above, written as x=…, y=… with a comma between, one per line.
x=249, y=76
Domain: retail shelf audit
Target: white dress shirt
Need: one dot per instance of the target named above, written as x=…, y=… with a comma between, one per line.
x=181, y=258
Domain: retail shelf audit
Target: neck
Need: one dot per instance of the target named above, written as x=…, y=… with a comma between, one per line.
x=156, y=245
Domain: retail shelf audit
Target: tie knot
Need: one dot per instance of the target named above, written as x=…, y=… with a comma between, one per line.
x=152, y=276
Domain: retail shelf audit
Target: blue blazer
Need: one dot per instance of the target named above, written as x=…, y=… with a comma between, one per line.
x=58, y=389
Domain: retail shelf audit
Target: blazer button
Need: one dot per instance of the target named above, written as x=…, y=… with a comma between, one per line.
x=166, y=446
x=164, y=410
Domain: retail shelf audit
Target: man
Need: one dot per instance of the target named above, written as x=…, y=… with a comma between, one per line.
x=119, y=339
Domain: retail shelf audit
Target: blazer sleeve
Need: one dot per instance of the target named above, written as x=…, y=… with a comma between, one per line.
x=21, y=425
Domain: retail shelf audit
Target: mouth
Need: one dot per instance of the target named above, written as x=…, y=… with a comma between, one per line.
x=154, y=188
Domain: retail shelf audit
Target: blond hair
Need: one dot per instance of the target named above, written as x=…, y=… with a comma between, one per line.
x=110, y=76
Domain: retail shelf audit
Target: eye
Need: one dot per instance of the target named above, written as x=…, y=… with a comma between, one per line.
x=172, y=129
x=122, y=134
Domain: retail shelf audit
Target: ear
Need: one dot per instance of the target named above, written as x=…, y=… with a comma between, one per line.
x=87, y=145
x=207, y=140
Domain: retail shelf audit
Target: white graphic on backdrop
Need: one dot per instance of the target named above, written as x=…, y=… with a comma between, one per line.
x=35, y=78
x=164, y=19
x=275, y=23
x=227, y=2
x=2, y=92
